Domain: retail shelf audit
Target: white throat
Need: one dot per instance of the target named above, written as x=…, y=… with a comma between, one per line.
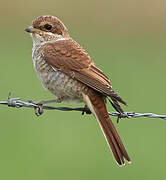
x=39, y=39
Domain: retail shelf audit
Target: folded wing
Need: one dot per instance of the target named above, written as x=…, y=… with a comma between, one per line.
x=70, y=58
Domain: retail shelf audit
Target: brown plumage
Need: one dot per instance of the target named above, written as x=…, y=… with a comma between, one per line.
x=70, y=58
x=67, y=71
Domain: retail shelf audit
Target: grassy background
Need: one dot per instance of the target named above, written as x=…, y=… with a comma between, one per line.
x=127, y=41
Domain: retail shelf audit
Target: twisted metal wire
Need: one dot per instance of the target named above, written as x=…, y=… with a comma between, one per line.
x=17, y=103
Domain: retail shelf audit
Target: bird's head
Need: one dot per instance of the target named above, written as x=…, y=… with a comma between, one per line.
x=47, y=28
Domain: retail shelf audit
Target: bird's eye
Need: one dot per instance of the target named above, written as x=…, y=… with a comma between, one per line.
x=48, y=26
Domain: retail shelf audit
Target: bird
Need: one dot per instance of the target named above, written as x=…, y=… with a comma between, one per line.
x=67, y=71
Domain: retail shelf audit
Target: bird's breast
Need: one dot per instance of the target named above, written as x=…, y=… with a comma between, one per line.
x=56, y=81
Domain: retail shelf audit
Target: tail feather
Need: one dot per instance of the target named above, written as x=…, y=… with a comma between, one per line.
x=112, y=144
x=96, y=104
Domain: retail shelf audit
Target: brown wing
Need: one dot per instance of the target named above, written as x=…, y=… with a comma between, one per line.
x=70, y=58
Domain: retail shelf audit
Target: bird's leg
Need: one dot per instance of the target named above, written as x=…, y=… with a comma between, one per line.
x=39, y=109
x=57, y=100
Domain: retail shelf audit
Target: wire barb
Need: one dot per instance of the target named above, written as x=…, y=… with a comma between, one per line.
x=17, y=103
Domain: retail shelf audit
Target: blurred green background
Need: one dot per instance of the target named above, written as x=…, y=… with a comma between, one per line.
x=127, y=40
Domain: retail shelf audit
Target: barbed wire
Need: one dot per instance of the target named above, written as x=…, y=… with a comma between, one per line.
x=18, y=103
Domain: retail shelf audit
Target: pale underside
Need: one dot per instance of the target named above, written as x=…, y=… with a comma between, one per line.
x=58, y=83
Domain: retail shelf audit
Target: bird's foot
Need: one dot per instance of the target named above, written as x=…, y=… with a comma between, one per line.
x=38, y=109
x=39, y=105
x=86, y=110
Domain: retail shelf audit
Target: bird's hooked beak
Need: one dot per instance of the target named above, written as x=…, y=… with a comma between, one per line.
x=31, y=29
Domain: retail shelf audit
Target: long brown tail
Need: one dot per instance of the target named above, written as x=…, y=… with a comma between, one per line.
x=96, y=104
